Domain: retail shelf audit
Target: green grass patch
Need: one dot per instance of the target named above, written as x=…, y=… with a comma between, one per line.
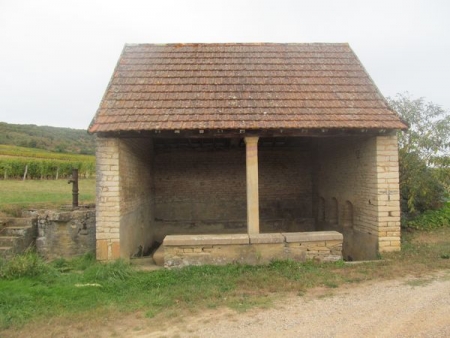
x=17, y=195
x=63, y=290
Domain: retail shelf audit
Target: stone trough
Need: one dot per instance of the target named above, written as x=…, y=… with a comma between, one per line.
x=220, y=249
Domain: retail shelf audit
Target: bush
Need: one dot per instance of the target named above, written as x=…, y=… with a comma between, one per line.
x=420, y=187
x=431, y=219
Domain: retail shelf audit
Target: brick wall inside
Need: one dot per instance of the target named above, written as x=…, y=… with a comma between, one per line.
x=285, y=188
x=357, y=192
x=204, y=190
x=136, y=196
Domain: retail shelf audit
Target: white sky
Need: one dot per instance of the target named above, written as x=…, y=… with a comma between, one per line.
x=56, y=57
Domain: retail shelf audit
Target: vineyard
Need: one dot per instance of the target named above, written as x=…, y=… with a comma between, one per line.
x=17, y=162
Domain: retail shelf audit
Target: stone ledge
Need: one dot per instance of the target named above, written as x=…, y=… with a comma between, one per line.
x=177, y=240
x=266, y=238
x=293, y=237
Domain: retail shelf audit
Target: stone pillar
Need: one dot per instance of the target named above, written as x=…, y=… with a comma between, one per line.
x=388, y=194
x=251, y=146
x=108, y=199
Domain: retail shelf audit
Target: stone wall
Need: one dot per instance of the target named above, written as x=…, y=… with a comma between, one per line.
x=136, y=197
x=124, y=199
x=65, y=233
x=184, y=250
x=358, y=193
x=108, y=199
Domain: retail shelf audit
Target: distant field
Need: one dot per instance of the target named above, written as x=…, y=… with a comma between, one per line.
x=17, y=194
x=42, y=164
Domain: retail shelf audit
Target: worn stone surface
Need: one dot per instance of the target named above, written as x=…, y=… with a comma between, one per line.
x=158, y=256
x=178, y=240
x=187, y=250
x=65, y=233
x=17, y=235
x=312, y=236
x=266, y=238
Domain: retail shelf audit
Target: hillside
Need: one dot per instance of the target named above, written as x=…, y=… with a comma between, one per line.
x=63, y=140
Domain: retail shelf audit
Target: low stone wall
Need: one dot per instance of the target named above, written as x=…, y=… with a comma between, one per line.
x=184, y=250
x=65, y=233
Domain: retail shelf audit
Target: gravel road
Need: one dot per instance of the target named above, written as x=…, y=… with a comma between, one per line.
x=400, y=308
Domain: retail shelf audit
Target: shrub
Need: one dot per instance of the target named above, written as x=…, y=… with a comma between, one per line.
x=431, y=219
x=420, y=188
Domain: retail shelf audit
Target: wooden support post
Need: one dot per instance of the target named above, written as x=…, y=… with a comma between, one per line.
x=251, y=146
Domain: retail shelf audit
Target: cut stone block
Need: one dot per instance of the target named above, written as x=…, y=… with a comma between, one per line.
x=179, y=240
x=158, y=256
x=266, y=238
x=312, y=236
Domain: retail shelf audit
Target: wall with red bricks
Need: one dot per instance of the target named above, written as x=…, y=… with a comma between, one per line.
x=204, y=190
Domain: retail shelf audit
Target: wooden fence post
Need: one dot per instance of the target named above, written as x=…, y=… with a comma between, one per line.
x=25, y=174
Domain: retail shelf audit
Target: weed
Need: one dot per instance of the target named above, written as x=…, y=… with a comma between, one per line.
x=26, y=265
x=109, y=272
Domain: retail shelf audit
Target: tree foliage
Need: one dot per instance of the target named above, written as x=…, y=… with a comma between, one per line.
x=423, y=153
x=63, y=140
x=429, y=128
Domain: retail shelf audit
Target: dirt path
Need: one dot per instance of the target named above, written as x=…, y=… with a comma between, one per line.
x=400, y=308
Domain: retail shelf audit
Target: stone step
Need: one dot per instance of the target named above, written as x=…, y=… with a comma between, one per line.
x=19, y=222
x=6, y=251
x=8, y=241
x=11, y=230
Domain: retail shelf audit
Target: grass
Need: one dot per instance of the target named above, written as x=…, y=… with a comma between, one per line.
x=17, y=194
x=87, y=291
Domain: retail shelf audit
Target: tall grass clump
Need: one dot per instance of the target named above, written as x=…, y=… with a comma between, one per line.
x=25, y=265
x=116, y=271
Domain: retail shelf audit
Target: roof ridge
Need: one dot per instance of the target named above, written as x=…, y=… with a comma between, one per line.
x=188, y=44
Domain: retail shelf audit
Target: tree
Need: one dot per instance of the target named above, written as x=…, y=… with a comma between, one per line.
x=423, y=153
x=429, y=127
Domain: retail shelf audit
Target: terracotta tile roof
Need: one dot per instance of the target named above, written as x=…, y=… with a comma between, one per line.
x=246, y=86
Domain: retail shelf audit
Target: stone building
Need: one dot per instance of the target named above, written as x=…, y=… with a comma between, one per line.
x=245, y=138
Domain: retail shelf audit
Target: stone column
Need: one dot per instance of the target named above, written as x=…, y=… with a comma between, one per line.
x=251, y=146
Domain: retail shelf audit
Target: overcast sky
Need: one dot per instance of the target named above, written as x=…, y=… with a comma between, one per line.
x=56, y=57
